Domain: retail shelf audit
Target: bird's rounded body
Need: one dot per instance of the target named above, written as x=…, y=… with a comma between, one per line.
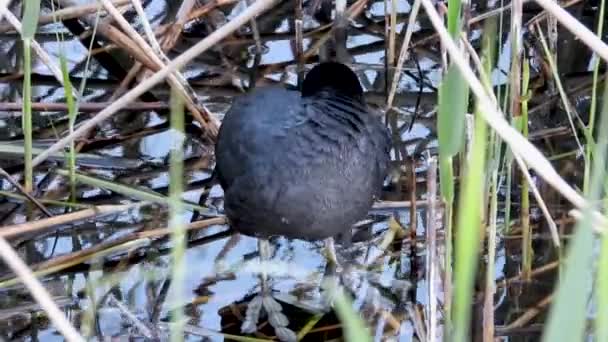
x=301, y=166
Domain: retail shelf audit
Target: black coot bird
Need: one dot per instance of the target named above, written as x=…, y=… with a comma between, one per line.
x=304, y=165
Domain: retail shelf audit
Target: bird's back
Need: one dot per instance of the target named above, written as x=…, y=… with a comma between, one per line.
x=303, y=167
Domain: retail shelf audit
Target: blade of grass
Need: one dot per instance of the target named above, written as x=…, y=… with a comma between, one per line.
x=310, y=324
x=472, y=202
x=45, y=201
x=522, y=123
x=487, y=62
x=452, y=106
x=352, y=324
x=10, y=149
x=593, y=105
x=601, y=286
x=29, y=21
x=142, y=194
x=26, y=119
x=568, y=315
x=72, y=114
x=469, y=224
x=176, y=209
x=453, y=95
x=71, y=102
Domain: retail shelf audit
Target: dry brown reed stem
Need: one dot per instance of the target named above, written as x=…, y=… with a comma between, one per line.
x=543, y=15
x=312, y=33
x=208, y=6
x=516, y=53
x=40, y=294
x=577, y=86
x=150, y=35
x=22, y=190
x=103, y=249
x=160, y=232
x=26, y=309
x=416, y=317
x=490, y=277
x=403, y=54
x=71, y=12
x=492, y=13
x=137, y=323
x=176, y=79
x=44, y=57
x=431, y=254
x=535, y=272
x=126, y=81
x=38, y=226
x=540, y=201
x=392, y=321
x=174, y=32
x=82, y=106
x=476, y=19
x=380, y=205
x=257, y=8
x=191, y=329
x=576, y=28
x=390, y=18
x=168, y=41
x=113, y=34
x=75, y=258
x=411, y=170
x=529, y=315
x=352, y=12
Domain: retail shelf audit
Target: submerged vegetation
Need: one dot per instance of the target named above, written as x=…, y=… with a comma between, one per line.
x=492, y=225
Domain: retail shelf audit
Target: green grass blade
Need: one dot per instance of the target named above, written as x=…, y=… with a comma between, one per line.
x=467, y=243
x=72, y=114
x=593, y=105
x=452, y=106
x=352, y=324
x=453, y=102
x=29, y=21
x=453, y=96
x=454, y=9
x=176, y=208
x=26, y=120
x=601, y=289
x=522, y=122
x=142, y=194
x=29, y=25
x=568, y=315
x=469, y=224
